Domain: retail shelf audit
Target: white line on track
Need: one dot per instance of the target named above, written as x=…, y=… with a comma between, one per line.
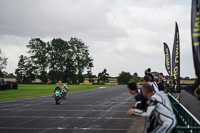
x=63, y=117
x=64, y=128
x=60, y=110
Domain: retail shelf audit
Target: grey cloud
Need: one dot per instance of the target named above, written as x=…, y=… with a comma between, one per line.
x=57, y=18
x=122, y=35
x=158, y=3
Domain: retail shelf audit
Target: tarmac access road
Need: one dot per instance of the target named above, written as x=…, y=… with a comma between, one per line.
x=96, y=111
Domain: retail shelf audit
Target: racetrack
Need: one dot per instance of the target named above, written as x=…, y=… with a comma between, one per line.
x=95, y=111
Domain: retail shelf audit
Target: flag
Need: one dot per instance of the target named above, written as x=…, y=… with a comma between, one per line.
x=195, y=31
x=176, y=61
x=167, y=59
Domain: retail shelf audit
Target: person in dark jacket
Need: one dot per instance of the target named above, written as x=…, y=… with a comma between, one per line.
x=162, y=79
x=151, y=78
x=161, y=87
x=147, y=72
x=141, y=101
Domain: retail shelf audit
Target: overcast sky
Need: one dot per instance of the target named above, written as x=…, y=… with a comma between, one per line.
x=122, y=35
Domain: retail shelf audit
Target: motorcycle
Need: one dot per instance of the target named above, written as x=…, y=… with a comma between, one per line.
x=64, y=93
x=58, y=97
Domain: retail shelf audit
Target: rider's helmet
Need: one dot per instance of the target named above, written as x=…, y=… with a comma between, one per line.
x=64, y=85
x=57, y=86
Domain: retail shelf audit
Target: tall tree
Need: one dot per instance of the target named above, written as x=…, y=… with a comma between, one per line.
x=20, y=71
x=70, y=72
x=80, y=56
x=136, y=78
x=25, y=71
x=89, y=72
x=3, y=63
x=38, y=51
x=124, y=77
x=103, y=76
x=58, y=56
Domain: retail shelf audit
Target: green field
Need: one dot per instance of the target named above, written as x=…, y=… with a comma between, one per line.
x=31, y=90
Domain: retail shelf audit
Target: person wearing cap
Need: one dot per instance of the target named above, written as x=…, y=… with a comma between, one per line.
x=148, y=73
x=151, y=80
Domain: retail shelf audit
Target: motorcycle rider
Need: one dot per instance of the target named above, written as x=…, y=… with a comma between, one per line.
x=66, y=88
x=57, y=88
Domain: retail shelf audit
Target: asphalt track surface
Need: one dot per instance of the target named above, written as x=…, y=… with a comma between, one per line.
x=191, y=103
x=96, y=111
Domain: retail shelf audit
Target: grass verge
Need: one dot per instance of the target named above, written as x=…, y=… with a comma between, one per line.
x=31, y=90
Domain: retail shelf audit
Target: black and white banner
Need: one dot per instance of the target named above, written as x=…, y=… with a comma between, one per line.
x=167, y=59
x=195, y=31
x=176, y=61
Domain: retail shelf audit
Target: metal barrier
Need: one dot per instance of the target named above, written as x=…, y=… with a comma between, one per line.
x=187, y=123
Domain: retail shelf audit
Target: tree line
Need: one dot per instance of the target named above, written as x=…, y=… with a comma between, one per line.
x=56, y=60
x=60, y=60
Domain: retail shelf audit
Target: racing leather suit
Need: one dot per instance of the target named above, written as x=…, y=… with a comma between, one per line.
x=57, y=88
x=160, y=107
x=65, y=87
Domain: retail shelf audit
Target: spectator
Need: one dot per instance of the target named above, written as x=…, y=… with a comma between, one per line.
x=146, y=80
x=141, y=101
x=161, y=87
x=162, y=79
x=153, y=84
x=160, y=107
x=148, y=73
